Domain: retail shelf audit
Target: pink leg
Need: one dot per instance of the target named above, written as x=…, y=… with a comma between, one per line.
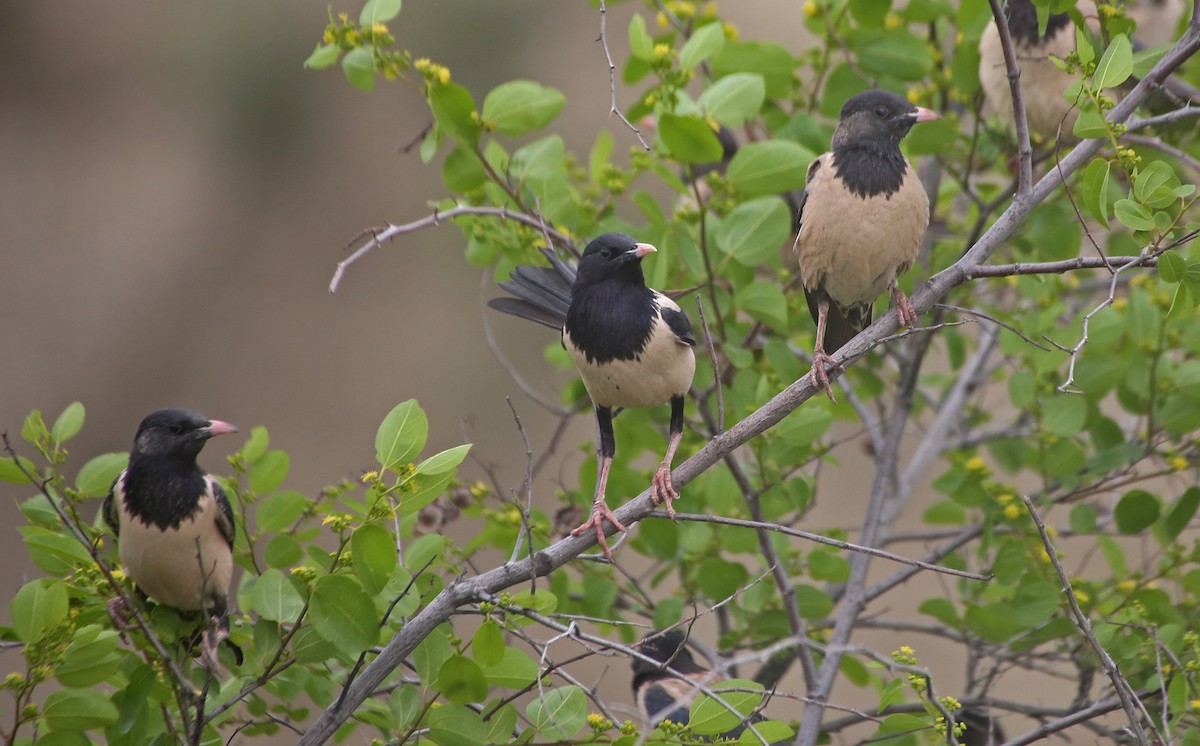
x=904, y=308
x=661, y=489
x=821, y=360
x=600, y=510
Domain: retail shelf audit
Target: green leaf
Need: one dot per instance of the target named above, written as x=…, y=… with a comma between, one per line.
x=1147, y=180
x=275, y=598
x=1115, y=65
x=719, y=579
x=98, y=474
x=1181, y=513
x=359, y=67
x=895, y=53
x=765, y=302
x=942, y=610
x=828, y=567
x=1064, y=414
x=1133, y=216
x=762, y=168
x=373, y=553
x=521, y=106
x=256, y=445
x=33, y=430
x=378, y=11
x=444, y=462
x=1171, y=267
x=1083, y=46
x=401, y=435
x=453, y=107
x=323, y=56
x=69, y=423
x=515, y=671
x=812, y=602
x=90, y=658
x=430, y=654
x=705, y=42
x=11, y=472
x=78, y=710
x=462, y=171
x=279, y=510
x=772, y=731
x=488, y=644
x=734, y=99
x=461, y=680
x=689, y=139
x=268, y=473
x=40, y=605
x=1135, y=511
x=709, y=717
x=640, y=43
x=1095, y=189
x=455, y=725
x=559, y=714
x=769, y=59
x=903, y=723
x=343, y=614
x=755, y=230
x=1089, y=124
x=421, y=550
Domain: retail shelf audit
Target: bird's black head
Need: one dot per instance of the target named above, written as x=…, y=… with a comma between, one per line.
x=878, y=118
x=668, y=646
x=176, y=432
x=613, y=256
x=1023, y=22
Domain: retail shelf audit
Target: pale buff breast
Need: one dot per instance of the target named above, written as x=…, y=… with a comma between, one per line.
x=1042, y=84
x=856, y=247
x=664, y=369
x=181, y=566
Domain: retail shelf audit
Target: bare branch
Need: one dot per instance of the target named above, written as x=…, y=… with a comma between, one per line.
x=1024, y=149
x=434, y=221
x=1130, y=702
x=612, y=77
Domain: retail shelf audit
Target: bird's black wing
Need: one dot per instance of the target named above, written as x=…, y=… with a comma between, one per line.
x=540, y=294
x=225, y=519
x=109, y=510
x=679, y=323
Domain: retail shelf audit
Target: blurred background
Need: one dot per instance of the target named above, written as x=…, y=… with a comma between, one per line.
x=178, y=189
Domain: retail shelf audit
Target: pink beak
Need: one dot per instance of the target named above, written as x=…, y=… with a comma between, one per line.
x=217, y=427
x=926, y=115
x=642, y=249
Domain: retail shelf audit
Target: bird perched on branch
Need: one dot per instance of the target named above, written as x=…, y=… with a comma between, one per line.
x=863, y=216
x=631, y=344
x=1042, y=82
x=173, y=522
x=662, y=695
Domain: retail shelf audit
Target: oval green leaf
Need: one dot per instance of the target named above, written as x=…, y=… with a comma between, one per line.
x=359, y=68
x=559, y=714
x=1135, y=511
x=461, y=680
x=373, y=554
x=1133, y=216
x=343, y=614
x=488, y=644
x=1116, y=65
x=755, y=230
x=762, y=168
x=378, y=11
x=689, y=139
x=734, y=99
x=705, y=42
x=453, y=107
x=710, y=717
x=69, y=423
x=39, y=605
x=521, y=106
x=77, y=710
x=268, y=473
x=401, y=435
x=98, y=474
x=275, y=598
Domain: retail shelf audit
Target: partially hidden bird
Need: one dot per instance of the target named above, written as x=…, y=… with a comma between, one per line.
x=174, y=524
x=631, y=344
x=663, y=694
x=1048, y=111
x=862, y=218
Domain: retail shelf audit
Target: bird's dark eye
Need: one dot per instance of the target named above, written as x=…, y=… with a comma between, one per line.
x=605, y=253
x=881, y=112
x=176, y=429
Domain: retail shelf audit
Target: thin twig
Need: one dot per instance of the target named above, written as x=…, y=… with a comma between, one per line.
x=378, y=236
x=712, y=355
x=612, y=77
x=1130, y=701
x=1024, y=149
x=817, y=538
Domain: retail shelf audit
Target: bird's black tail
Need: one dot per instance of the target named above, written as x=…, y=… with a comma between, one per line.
x=841, y=325
x=540, y=294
